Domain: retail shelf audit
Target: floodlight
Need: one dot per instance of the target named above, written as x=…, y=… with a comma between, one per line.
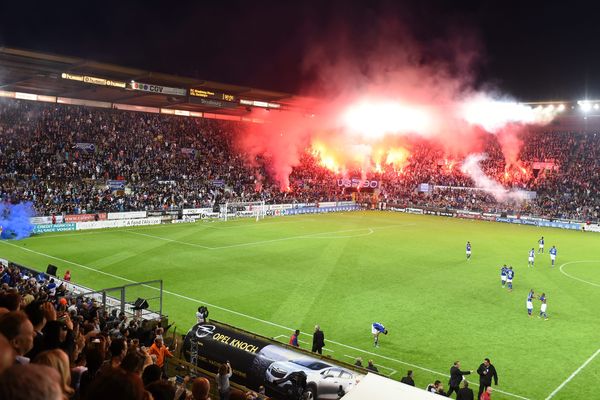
x=585, y=105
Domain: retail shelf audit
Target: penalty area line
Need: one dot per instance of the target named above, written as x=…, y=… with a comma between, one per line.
x=317, y=235
x=578, y=370
x=245, y=315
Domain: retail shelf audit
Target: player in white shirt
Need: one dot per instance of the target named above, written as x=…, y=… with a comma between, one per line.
x=531, y=257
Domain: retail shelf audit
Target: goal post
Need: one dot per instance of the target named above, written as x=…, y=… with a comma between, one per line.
x=243, y=209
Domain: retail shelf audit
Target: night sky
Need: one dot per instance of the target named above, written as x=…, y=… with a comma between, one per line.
x=533, y=50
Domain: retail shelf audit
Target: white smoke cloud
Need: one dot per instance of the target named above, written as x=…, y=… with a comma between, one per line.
x=472, y=168
x=494, y=115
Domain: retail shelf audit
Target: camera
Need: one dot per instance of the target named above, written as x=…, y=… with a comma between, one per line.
x=203, y=311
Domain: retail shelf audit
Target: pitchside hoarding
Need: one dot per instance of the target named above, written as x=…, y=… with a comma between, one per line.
x=256, y=361
x=85, y=217
x=46, y=220
x=48, y=228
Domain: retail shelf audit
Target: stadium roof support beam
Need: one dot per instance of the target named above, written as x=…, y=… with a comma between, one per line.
x=17, y=82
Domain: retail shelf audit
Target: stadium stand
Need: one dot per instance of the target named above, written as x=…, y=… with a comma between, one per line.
x=172, y=162
x=43, y=321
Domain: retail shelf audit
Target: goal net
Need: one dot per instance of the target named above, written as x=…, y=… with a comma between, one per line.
x=245, y=209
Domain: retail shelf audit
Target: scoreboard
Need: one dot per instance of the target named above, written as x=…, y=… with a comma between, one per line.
x=207, y=94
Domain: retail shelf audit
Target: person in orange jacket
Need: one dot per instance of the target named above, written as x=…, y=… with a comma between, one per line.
x=161, y=352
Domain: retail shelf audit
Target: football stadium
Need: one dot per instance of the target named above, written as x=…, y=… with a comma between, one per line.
x=410, y=236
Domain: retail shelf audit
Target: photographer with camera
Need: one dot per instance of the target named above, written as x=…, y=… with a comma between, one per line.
x=202, y=315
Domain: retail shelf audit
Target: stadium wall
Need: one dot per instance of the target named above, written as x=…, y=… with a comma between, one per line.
x=494, y=217
x=144, y=218
x=190, y=215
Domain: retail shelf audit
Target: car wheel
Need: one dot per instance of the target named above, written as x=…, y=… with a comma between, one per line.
x=310, y=393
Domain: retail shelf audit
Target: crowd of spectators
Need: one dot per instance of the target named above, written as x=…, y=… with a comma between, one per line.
x=57, y=346
x=61, y=157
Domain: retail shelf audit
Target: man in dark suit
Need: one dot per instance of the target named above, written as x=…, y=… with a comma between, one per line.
x=486, y=371
x=318, y=340
x=408, y=379
x=456, y=377
x=464, y=393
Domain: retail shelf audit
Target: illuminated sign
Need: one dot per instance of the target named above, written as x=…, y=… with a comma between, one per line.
x=207, y=94
x=146, y=87
x=93, y=80
x=72, y=77
x=257, y=103
x=209, y=102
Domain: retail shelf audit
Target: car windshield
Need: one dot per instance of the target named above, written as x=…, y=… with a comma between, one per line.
x=311, y=364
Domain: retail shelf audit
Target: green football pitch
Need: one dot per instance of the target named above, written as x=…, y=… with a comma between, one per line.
x=345, y=271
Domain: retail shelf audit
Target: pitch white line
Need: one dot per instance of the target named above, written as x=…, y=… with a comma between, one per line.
x=196, y=301
x=329, y=350
x=260, y=224
x=370, y=232
x=46, y=236
x=310, y=236
x=561, y=269
x=169, y=240
x=203, y=225
x=551, y=395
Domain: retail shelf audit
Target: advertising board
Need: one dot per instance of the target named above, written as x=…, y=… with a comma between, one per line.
x=197, y=211
x=118, y=223
x=85, y=217
x=47, y=228
x=127, y=215
x=256, y=361
x=45, y=220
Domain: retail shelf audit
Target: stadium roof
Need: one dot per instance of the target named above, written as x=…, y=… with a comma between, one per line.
x=69, y=77
x=25, y=73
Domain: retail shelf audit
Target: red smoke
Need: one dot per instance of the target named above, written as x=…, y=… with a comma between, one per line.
x=379, y=94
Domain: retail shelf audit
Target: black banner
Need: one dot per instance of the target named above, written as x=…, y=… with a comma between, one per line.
x=259, y=361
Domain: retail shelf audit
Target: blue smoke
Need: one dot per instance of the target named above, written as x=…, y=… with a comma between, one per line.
x=14, y=220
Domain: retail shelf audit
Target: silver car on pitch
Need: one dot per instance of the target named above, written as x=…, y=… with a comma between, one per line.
x=323, y=380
